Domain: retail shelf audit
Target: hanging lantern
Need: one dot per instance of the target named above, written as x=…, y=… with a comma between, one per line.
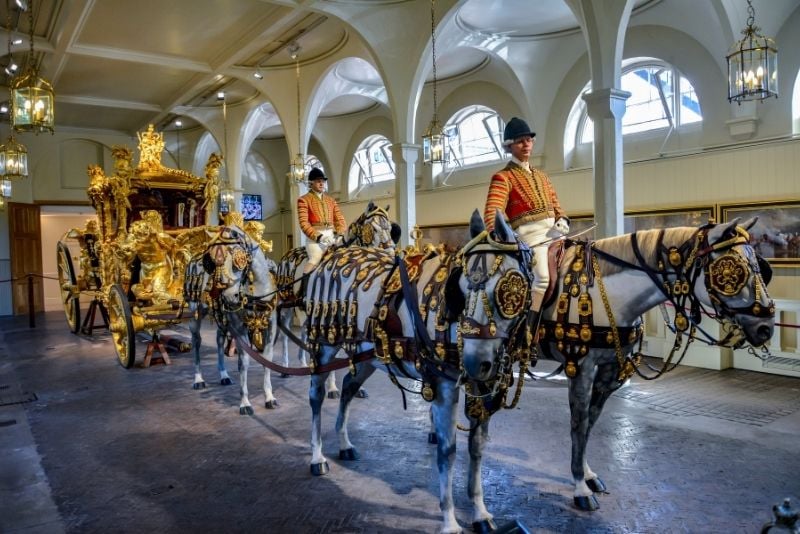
x=32, y=97
x=752, y=64
x=225, y=197
x=433, y=141
x=297, y=169
x=13, y=160
x=5, y=188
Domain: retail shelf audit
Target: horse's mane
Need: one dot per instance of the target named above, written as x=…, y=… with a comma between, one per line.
x=621, y=247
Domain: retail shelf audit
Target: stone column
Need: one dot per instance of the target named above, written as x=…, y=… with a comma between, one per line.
x=606, y=108
x=405, y=158
x=296, y=190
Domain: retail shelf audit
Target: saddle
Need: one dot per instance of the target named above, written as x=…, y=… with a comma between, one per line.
x=555, y=253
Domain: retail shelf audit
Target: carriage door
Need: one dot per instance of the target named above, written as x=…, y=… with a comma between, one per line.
x=26, y=256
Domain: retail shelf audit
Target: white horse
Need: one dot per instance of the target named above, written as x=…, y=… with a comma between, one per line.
x=603, y=289
x=371, y=229
x=232, y=280
x=355, y=296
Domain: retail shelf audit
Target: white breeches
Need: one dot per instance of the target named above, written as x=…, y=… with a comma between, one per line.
x=534, y=233
x=316, y=250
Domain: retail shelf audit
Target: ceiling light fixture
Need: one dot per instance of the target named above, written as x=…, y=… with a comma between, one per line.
x=433, y=143
x=297, y=168
x=32, y=97
x=257, y=75
x=752, y=64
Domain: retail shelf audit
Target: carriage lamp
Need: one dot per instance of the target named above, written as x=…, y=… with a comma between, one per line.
x=13, y=161
x=32, y=97
x=433, y=145
x=752, y=64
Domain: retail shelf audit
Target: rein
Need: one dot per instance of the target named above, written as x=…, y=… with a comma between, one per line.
x=724, y=275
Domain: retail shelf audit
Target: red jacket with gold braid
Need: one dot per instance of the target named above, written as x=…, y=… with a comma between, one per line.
x=316, y=214
x=522, y=196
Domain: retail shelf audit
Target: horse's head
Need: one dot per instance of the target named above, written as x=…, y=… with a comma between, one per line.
x=494, y=286
x=227, y=258
x=372, y=228
x=736, y=280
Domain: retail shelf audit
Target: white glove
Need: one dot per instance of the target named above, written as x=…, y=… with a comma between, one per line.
x=562, y=225
x=339, y=240
x=326, y=240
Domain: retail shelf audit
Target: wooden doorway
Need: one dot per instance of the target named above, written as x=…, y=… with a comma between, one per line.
x=25, y=235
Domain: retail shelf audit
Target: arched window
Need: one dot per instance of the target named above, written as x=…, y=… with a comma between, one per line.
x=313, y=161
x=661, y=97
x=372, y=163
x=474, y=135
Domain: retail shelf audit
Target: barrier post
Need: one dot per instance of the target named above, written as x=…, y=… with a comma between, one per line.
x=31, y=311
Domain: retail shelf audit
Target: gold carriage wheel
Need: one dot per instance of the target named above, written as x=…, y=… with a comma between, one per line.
x=68, y=285
x=122, y=332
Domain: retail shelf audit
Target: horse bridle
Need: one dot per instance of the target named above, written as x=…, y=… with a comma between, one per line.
x=512, y=295
x=364, y=232
x=256, y=306
x=679, y=268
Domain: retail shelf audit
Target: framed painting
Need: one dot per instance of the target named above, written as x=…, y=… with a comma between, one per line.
x=452, y=236
x=669, y=217
x=776, y=235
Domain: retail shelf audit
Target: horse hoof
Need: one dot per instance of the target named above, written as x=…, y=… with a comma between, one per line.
x=362, y=393
x=271, y=405
x=587, y=504
x=246, y=410
x=596, y=485
x=349, y=454
x=284, y=375
x=199, y=385
x=481, y=527
x=320, y=469
x=333, y=394
x=226, y=382
x=432, y=439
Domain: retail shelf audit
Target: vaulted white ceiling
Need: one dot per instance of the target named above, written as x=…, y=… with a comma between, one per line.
x=118, y=65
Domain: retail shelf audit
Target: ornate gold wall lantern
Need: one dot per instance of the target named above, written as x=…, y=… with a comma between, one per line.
x=32, y=97
x=297, y=167
x=225, y=188
x=752, y=64
x=433, y=140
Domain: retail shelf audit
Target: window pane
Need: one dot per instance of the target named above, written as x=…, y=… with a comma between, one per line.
x=690, y=106
x=474, y=136
x=644, y=109
x=371, y=163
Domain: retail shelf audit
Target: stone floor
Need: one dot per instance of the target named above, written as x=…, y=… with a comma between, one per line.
x=87, y=446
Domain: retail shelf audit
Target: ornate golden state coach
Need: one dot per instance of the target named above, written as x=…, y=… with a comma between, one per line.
x=151, y=220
